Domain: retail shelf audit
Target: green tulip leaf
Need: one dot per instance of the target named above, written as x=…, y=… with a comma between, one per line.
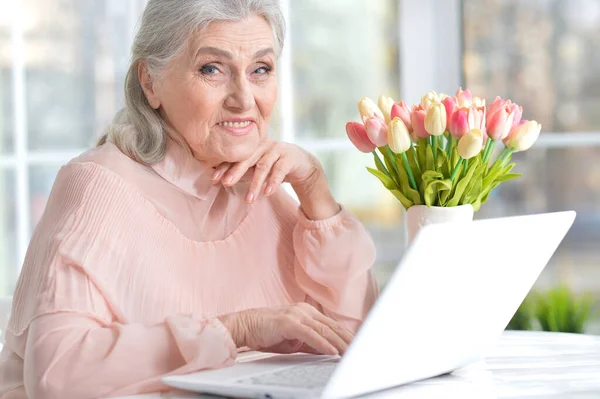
x=421, y=147
x=405, y=187
x=476, y=205
x=508, y=177
x=462, y=185
x=389, y=163
x=474, y=187
x=431, y=175
x=406, y=203
x=429, y=162
x=412, y=156
x=434, y=188
x=473, y=190
x=385, y=179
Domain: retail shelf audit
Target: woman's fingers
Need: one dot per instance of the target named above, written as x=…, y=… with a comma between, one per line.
x=312, y=312
x=328, y=333
x=340, y=330
x=306, y=334
x=220, y=171
x=278, y=173
x=262, y=169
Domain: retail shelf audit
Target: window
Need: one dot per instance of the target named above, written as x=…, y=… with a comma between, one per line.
x=544, y=54
x=62, y=65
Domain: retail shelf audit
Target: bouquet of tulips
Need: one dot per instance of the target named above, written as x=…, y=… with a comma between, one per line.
x=438, y=153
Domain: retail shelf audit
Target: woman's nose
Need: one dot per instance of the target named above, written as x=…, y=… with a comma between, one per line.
x=240, y=97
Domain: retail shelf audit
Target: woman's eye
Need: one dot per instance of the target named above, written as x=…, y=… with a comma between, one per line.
x=262, y=70
x=209, y=70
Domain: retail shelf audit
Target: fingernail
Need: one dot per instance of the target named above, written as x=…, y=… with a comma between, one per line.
x=269, y=190
x=250, y=197
x=217, y=175
x=228, y=180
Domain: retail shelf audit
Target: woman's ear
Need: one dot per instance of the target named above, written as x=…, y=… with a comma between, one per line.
x=148, y=85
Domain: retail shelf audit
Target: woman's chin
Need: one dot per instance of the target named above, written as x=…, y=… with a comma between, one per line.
x=240, y=152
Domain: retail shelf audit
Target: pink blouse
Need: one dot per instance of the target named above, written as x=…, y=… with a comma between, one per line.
x=130, y=266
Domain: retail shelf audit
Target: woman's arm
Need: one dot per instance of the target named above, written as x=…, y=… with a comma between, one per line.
x=333, y=262
x=82, y=355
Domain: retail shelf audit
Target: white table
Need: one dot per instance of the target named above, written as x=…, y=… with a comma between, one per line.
x=523, y=365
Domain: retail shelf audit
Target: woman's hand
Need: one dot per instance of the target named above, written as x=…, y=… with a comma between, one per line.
x=276, y=162
x=294, y=328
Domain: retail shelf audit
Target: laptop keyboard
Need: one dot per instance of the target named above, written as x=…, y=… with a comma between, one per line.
x=308, y=375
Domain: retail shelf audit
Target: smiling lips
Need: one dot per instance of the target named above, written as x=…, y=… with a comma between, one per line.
x=237, y=128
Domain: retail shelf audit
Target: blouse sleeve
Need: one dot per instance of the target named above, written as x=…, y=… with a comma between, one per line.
x=334, y=260
x=81, y=354
x=72, y=338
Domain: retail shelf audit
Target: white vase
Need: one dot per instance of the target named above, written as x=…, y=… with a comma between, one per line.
x=418, y=216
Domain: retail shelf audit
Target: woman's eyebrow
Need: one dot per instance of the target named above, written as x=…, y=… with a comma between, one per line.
x=226, y=54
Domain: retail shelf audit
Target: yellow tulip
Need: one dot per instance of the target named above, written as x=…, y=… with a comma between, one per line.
x=430, y=98
x=522, y=137
x=470, y=144
x=398, y=136
x=368, y=109
x=385, y=105
x=435, y=119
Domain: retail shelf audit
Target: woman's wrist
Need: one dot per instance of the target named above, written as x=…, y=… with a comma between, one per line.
x=231, y=323
x=316, y=200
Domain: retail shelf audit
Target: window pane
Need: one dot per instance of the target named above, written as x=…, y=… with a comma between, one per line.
x=75, y=54
x=342, y=50
x=8, y=234
x=543, y=54
x=6, y=109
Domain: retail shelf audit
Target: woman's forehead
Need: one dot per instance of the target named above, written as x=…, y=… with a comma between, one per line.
x=246, y=37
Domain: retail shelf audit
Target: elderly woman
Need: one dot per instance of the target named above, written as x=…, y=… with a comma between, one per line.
x=171, y=246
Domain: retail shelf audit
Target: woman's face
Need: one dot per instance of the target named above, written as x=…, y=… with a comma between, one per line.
x=219, y=95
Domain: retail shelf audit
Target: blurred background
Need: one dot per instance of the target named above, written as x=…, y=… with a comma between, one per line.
x=62, y=65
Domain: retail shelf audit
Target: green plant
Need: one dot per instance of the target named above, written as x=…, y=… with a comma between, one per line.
x=522, y=319
x=560, y=310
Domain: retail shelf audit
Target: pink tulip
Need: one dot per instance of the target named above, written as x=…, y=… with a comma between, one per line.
x=417, y=120
x=358, y=136
x=450, y=105
x=376, y=131
x=496, y=105
x=402, y=111
x=517, y=111
x=459, y=123
x=463, y=98
x=499, y=120
x=478, y=117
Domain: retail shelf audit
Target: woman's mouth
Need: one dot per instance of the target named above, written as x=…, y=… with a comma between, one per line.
x=240, y=128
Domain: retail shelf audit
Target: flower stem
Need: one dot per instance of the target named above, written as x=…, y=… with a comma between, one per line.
x=415, y=156
x=434, y=144
x=489, y=146
x=456, y=168
x=381, y=165
x=449, y=146
x=413, y=183
x=466, y=167
x=507, y=156
x=392, y=156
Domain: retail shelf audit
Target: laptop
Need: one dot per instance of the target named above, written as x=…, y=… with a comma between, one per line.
x=448, y=301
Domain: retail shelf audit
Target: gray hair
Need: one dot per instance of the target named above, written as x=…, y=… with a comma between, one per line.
x=138, y=130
